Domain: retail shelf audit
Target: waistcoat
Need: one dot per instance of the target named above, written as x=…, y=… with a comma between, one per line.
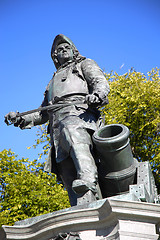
x=66, y=81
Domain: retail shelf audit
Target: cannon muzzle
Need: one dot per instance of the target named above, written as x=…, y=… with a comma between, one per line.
x=117, y=166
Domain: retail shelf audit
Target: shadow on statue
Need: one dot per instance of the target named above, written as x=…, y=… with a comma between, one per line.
x=92, y=160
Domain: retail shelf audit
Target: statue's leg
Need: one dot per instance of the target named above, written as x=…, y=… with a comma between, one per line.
x=86, y=185
x=84, y=162
x=78, y=143
x=68, y=174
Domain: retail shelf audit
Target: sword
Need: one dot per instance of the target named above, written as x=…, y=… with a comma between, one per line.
x=11, y=117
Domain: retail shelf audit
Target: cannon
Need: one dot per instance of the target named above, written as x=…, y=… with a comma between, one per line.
x=117, y=167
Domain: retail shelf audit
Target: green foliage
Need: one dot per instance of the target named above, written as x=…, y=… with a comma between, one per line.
x=26, y=190
x=134, y=101
x=42, y=138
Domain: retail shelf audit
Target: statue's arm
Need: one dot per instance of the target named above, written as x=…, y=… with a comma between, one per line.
x=98, y=85
x=31, y=120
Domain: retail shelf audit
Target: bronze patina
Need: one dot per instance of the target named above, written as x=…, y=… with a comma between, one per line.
x=78, y=88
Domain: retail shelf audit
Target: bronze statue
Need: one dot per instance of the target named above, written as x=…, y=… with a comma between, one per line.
x=76, y=91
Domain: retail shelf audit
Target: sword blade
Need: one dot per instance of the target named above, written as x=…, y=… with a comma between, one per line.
x=49, y=107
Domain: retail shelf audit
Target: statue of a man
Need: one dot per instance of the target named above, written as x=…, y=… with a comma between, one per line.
x=77, y=79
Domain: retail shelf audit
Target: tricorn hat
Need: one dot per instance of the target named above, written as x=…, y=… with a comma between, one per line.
x=63, y=39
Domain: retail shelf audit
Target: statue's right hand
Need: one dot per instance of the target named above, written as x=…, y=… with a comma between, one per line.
x=12, y=118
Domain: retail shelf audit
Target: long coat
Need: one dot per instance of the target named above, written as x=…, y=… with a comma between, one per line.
x=70, y=83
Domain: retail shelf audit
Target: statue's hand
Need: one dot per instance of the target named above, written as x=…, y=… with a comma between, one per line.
x=12, y=118
x=92, y=99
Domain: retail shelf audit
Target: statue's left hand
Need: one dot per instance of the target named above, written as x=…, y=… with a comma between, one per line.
x=92, y=99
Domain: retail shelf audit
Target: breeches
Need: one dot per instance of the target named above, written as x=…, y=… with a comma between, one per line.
x=75, y=143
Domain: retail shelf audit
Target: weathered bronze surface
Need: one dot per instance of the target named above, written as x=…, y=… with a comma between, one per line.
x=71, y=127
x=117, y=166
x=92, y=160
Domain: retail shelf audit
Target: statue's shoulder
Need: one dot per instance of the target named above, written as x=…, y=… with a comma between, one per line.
x=87, y=62
x=88, y=65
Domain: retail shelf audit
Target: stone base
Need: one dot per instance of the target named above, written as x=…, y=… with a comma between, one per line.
x=104, y=219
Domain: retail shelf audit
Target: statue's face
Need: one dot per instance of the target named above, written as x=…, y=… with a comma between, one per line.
x=64, y=53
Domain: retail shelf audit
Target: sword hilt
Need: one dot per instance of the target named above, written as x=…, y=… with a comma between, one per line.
x=11, y=118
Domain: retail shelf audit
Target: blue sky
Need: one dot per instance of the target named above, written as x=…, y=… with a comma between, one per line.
x=117, y=34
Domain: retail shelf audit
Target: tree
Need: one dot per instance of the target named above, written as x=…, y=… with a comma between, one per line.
x=134, y=101
x=26, y=190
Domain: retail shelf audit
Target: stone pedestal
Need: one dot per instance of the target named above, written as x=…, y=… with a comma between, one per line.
x=104, y=219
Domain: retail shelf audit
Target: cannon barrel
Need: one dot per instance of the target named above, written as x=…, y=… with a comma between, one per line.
x=117, y=166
